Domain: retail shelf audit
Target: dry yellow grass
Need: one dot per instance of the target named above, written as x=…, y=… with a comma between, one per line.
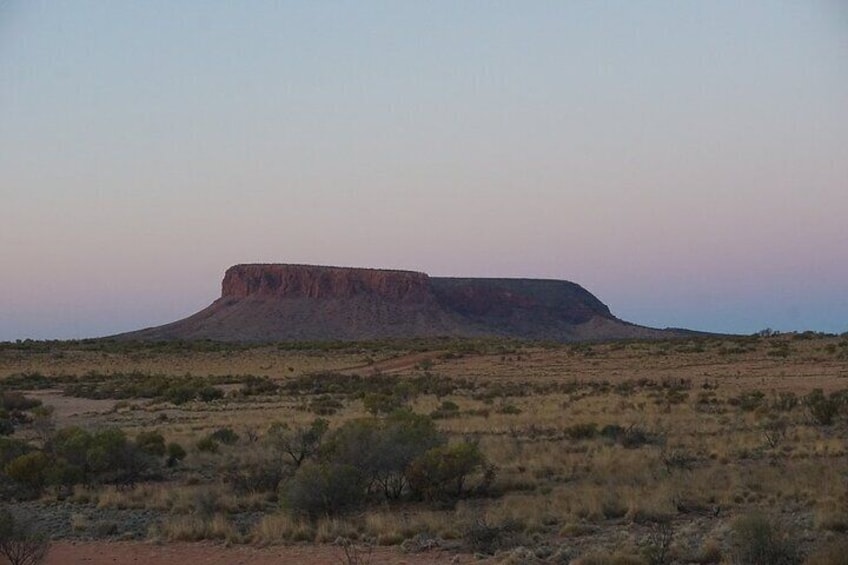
x=714, y=441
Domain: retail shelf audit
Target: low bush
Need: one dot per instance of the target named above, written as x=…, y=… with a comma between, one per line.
x=296, y=444
x=175, y=453
x=759, y=541
x=20, y=543
x=324, y=489
x=488, y=539
x=227, y=436
x=13, y=400
x=823, y=408
x=581, y=431
x=152, y=443
x=446, y=472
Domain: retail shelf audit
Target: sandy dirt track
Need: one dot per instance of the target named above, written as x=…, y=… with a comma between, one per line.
x=103, y=553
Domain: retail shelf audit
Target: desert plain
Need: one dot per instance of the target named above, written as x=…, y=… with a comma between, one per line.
x=715, y=449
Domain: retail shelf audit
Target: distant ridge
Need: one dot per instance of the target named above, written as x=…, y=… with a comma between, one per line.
x=283, y=302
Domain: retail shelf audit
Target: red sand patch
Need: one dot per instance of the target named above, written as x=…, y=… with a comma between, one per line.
x=110, y=553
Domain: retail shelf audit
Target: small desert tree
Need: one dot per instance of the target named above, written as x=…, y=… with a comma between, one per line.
x=297, y=444
x=19, y=542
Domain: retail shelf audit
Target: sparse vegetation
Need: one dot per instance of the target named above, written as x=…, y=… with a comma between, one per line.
x=631, y=452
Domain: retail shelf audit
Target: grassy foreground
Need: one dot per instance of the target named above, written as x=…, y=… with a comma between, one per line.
x=715, y=450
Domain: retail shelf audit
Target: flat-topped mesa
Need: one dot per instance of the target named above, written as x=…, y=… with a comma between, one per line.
x=316, y=282
x=283, y=302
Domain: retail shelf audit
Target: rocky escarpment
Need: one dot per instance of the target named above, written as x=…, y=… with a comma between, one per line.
x=280, y=302
x=319, y=283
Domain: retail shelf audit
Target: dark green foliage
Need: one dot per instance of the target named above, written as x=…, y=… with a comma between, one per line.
x=785, y=401
x=7, y=428
x=30, y=381
x=207, y=445
x=11, y=449
x=105, y=456
x=211, y=442
x=657, y=545
x=748, y=401
x=209, y=393
x=324, y=489
x=152, y=443
x=379, y=403
x=397, y=442
x=175, y=453
x=631, y=437
x=325, y=405
x=823, y=408
x=509, y=409
x=171, y=388
x=13, y=400
x=488, y=539
x=444, y=472
x=227, y=436
x=447, y=409
x=20, y=544
x=357, y=386
x=362, y=460
x=758, y=541
x=13, y=410
x=253, y=386
x=581, y=431
x=29, y=471
x=258, y=470
x=296, y=444
x=383, y=449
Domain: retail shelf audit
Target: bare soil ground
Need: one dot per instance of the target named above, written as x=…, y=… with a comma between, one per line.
x=109, y=553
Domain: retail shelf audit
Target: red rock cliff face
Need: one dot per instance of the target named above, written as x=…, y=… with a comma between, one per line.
x=282, y=302
x=306, y=281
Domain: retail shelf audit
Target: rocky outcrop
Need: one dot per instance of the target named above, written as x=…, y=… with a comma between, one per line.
x=279, y=302
x=307, y=281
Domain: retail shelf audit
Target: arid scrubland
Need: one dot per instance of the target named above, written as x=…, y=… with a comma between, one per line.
x=708, y=450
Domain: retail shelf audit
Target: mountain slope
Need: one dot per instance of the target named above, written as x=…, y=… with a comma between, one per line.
x=280, y=302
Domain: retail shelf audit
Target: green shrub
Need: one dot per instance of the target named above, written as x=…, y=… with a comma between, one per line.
x=509, y=409
x=257, y=470
x=207, y=445
x=13, y=400
x=298, y=443
x=379, y=403
x=324, y=489
x=758, y=541
x=785, y=401
x=383, y=449
x=748, y=401
x=254, y=385
x=180, y=394
x=325, y=405
x=227, y=436
x=823, y=408
x=448, y=406
x=631, y=437
x=488, y=539
x=12, y=448
x=444, y=472
x=581, y=431
x=175, y=453
x=152, y=443
x=209, y=393
x=29, y=471
x=20, y=543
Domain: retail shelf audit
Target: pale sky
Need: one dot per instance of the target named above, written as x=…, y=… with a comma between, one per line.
x=686, y=162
